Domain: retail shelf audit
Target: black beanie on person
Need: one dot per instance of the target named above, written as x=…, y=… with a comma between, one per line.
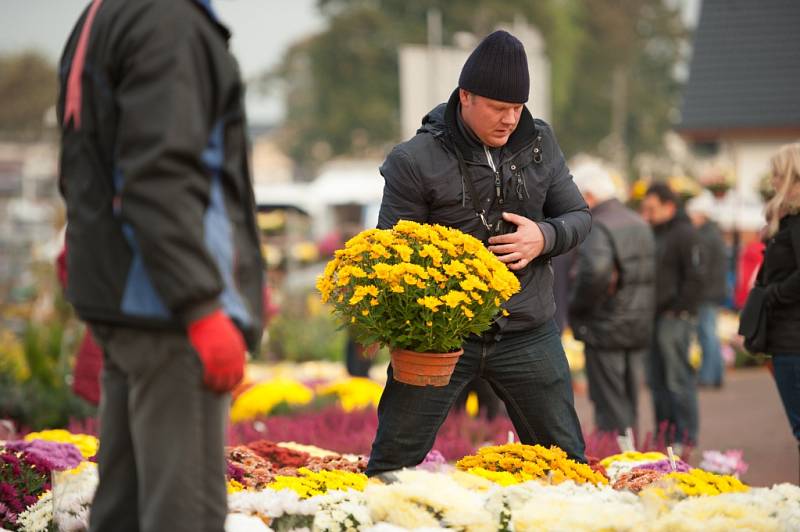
x=497, y=69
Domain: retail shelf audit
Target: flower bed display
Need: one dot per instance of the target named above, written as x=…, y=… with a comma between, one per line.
x=282, y=487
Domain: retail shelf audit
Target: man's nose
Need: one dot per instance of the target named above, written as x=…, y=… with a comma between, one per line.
x=509, y=117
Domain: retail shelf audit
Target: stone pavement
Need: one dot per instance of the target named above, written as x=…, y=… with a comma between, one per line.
x=746, y=414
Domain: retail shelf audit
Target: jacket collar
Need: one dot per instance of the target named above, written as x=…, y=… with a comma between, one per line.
x=519, y=139
x=208, y=9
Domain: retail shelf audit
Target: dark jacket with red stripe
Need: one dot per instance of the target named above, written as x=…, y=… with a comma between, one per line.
x=160, y=208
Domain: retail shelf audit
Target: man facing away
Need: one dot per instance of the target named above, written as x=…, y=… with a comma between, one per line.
x=679, y=287
x=480, y=160
x=163, y=254
x=715, y=289
x=612, y=299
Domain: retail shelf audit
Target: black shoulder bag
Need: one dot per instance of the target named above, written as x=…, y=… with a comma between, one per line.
x=753, y=319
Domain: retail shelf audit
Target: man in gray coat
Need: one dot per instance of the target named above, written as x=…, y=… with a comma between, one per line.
x=482, y=164
x=612, y=300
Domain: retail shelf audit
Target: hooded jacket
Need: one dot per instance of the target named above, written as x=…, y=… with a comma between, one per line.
x=160, y=207
x=423, y=183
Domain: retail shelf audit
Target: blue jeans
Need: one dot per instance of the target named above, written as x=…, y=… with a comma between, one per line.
x=787, y=377
x=711, y=369
x=672, y=380
x=527, y=370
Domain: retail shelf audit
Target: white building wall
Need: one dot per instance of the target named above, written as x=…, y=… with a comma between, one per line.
x=429, y=74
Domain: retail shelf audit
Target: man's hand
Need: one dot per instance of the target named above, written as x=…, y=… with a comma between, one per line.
x=221, y=349
x=519, y=248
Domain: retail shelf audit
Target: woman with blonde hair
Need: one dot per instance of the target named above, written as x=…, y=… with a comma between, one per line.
x=781, y=278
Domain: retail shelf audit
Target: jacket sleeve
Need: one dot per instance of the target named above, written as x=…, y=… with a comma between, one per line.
x=788, y=291
x=692, y=264
x=403, y=197
x=567, y=217
x=595, y=270
x=165, y=95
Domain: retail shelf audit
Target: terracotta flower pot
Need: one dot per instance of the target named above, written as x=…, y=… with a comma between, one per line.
x=423, y=369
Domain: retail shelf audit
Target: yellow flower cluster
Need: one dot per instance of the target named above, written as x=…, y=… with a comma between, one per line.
x=633, y=456
x=310, y=484
x=355, y=393
x=261, y=398
x=234, y=486
x=416, y=286
x=85, y=443
x=700, y=482
x=521, y=462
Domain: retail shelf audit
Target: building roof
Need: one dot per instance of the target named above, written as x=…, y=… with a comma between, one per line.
x=745, y=69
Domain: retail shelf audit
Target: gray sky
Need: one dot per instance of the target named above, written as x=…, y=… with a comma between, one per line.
x=262, y=30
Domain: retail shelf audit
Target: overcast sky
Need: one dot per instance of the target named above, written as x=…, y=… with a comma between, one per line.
x=262, y=30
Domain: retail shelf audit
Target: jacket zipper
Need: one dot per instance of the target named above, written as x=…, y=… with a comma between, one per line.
x=498, y=183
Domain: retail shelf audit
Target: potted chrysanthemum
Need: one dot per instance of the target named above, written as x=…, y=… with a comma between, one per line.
x=420, y=290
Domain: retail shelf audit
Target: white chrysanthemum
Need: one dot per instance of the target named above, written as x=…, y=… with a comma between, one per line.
x=721, y=513
x=423, y=499
x=38, y=516
x=73, y=493
x=245, y=523
x=568, y=506
x=271, y=504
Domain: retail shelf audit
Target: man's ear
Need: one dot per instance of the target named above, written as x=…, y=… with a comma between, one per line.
x=464, y=97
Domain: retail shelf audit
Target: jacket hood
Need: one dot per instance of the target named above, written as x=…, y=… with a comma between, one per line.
x=441, y=121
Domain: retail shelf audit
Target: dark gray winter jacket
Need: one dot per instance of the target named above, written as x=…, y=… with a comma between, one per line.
x=423, y=183
x=612, y=301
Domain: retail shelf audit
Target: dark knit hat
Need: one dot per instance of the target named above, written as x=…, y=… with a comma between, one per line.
x=497, y=69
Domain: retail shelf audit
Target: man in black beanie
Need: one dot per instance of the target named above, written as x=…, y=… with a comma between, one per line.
x=482, y=164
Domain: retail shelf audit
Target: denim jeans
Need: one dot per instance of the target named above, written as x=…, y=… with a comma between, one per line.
x=787, y=378
x=527, y=370
x=672, y=380
x=711, y=369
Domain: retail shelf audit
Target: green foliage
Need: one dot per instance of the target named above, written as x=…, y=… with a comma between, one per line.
x=342, y=84
x=28, y=86
x=302, y=332
x=44, y=398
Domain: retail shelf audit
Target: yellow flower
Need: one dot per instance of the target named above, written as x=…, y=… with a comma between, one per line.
x=261, y=398
x=453, y=298
x=234, y=486
x=404, y=251
x=455, y=268
x=85, y=443
x=467, y=312
x=430, y=302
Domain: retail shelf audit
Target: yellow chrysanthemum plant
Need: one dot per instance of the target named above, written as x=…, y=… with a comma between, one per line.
x=416, y=287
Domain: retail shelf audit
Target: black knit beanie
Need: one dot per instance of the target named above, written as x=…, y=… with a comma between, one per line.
x=497, y=69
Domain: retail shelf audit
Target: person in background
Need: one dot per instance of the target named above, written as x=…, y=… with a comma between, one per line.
x=712, y=369
x=612, y=299
x=163, y=253
x=781, y=277
x=679, y=289
x=482, y=164
x=89, y=359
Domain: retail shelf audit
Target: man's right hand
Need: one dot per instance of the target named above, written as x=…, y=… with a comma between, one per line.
x=221, y=349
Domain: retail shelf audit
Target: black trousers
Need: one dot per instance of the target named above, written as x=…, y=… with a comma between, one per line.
x=614, y=377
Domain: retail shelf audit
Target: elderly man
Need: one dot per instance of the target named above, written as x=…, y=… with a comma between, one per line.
x=482, y=164
x=612, y=299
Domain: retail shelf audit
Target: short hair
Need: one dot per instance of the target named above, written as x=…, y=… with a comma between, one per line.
x=664, y=193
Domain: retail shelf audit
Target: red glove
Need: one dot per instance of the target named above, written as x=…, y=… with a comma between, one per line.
x=221, y=348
